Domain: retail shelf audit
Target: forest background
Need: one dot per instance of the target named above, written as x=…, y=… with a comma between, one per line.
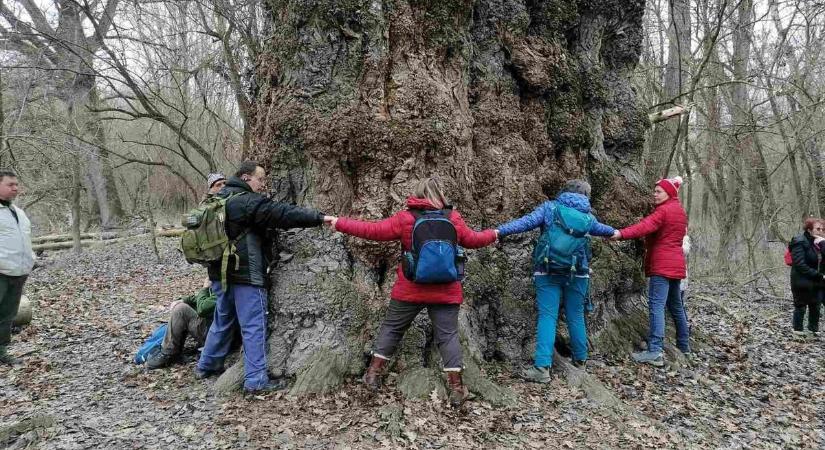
x=114, y=112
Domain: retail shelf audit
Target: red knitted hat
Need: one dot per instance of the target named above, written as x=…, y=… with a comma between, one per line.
x=670, y=185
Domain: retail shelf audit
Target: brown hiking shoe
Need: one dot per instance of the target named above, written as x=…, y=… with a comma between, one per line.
x=458, y=392
x=375, y=371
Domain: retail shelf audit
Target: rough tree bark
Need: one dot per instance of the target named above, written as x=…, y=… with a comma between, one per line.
x=503, y=100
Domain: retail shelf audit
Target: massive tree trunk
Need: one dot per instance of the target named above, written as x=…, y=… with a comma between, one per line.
x=503, y=100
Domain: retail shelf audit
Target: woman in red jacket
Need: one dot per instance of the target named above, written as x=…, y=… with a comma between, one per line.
x=408, y=298
x=663, y=231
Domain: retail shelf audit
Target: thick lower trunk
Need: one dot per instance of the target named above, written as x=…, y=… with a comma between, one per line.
x=367, y=97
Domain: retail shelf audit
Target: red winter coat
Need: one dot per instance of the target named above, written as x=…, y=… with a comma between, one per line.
x=400, y=226
x=664, y=230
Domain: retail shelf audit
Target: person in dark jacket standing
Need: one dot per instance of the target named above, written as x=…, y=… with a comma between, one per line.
x=408, y=298
x=807, y=278
x=664, y=230
x=251, y=219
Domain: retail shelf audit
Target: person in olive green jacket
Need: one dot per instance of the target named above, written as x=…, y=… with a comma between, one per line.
x=190, y=315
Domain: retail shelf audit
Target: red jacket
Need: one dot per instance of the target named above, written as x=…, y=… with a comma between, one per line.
x=400, y=226
x=664, y=230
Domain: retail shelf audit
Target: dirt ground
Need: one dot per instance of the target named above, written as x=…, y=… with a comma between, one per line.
x=751, y=384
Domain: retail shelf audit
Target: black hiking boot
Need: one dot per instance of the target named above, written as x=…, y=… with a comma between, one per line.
x=580, y=364
x=204, y=374
x=271, y=386
x=161, y=360
x=7, y=359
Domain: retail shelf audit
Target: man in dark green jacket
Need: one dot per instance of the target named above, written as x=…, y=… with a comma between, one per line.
x=191, y=315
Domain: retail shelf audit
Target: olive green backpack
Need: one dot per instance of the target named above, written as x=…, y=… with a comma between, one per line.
x=204, y=240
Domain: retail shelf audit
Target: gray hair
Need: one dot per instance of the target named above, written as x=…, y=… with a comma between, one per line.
x=577, y=187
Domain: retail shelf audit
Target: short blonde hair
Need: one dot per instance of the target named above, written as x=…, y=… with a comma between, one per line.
x=429, y=189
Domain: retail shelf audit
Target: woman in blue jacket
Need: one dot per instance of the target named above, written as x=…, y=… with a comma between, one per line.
x=554, y=286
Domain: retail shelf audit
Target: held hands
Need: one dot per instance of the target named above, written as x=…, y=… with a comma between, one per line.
x=617, y=235
x=330, y=221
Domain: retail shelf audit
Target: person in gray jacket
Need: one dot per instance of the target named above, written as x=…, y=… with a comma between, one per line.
x=16, y=258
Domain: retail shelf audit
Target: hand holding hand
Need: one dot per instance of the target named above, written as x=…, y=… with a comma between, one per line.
x=330, y=221
x=617, y=235
x=497, y=235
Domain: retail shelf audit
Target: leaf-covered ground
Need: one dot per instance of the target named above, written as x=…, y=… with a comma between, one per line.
x=751, y=385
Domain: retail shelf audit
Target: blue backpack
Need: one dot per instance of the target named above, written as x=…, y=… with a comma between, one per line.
x=152, y=345
x=435, y=256
x=561, y=246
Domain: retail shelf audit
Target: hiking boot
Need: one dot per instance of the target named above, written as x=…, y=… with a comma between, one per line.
x=537, y=374
x=7, y=359
x=798, y=335
x=458, y=392
x=161, y=360
x=372, y=377
x=270, y=386
x=580, y=364
x=204, y=374
x=653, y=358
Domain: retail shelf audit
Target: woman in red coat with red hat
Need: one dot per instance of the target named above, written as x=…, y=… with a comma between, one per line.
x=408, y=298
x=663, y=231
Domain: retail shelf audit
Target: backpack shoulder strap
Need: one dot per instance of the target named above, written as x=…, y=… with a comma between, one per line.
x=231, y=246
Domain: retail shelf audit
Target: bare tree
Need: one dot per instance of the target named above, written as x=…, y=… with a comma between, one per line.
x=65, y=48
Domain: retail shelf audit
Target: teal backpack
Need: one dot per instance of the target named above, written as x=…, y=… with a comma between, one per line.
x=557, y=250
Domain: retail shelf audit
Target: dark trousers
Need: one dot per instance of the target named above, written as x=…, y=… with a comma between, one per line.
x=183, y=321
x=445, y=323
x=810, y=300
x=11, y=289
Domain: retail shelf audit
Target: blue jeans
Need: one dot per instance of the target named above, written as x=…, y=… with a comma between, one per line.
x=247, y=305
x=665, y=292
x=551, y=291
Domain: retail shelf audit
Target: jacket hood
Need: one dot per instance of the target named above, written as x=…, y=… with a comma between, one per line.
x=235, y=182
x=420, y=203
x=577, y=201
